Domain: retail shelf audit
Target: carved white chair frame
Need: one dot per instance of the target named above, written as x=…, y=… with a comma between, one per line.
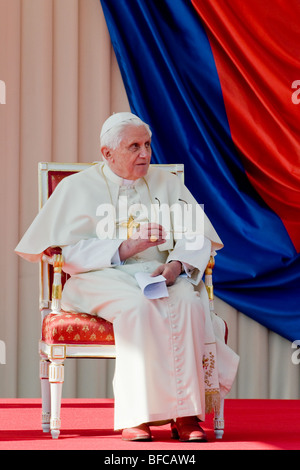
x=52, y=356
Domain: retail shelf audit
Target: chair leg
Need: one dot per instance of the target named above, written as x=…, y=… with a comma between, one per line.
x=56, y=379
x=219, y=421
x=45, y=389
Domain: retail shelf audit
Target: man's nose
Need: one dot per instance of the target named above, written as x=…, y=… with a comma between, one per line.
x=145, y=152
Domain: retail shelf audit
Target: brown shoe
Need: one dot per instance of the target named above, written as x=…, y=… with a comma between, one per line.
x=138, y=433
x=187, y=429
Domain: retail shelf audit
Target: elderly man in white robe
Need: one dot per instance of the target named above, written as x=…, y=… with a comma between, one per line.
x=107, y=221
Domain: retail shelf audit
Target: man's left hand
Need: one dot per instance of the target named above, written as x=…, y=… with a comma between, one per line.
x=170, y=271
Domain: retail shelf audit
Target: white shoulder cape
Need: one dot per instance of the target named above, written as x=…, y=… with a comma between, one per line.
x=69, y=215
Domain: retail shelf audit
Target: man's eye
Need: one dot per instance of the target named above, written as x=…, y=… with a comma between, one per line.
x=134, y=146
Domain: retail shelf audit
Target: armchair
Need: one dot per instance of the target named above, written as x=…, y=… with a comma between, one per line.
x=77, y=335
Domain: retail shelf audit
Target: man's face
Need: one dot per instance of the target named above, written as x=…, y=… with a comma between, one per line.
x=131, y=159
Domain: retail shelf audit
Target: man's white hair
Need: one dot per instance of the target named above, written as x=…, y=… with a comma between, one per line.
x=113, y=128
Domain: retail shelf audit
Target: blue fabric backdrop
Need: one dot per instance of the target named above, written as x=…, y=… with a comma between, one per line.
x=172, y=83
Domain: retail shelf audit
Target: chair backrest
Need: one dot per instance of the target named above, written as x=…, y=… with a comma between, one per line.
x=50, y=174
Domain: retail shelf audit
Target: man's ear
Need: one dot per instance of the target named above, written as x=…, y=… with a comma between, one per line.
x=106, y=152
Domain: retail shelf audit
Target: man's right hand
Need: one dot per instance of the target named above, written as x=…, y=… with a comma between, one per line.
x=147, y=236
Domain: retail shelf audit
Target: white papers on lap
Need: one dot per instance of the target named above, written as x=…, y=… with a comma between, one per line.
x=152, y=287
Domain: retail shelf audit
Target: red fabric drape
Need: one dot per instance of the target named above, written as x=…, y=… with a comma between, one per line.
x=256, y=49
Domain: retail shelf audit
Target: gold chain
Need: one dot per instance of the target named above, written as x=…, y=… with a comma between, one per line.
x=130, y=224
x=107, y=185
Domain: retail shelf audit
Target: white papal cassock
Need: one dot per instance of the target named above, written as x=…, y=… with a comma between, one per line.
x=171, y=360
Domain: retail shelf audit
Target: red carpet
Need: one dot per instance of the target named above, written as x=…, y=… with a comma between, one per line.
x=88, y=425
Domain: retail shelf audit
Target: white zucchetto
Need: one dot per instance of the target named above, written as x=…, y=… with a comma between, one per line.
x=117, y=119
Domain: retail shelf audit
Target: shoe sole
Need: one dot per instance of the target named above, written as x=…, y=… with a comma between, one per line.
x=137, y=439
x=175, y=435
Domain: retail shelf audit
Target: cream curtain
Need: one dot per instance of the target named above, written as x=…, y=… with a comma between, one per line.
x=62, y=81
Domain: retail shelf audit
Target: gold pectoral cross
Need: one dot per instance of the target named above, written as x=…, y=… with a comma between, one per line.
x=130, y=225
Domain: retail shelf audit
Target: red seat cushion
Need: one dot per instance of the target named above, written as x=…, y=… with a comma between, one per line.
x=76, y=328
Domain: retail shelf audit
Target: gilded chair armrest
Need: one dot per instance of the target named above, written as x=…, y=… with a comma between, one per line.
x=54, y=257
x=50, y=252
x=53, y=250
x=57, y=261
x=209, y=281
